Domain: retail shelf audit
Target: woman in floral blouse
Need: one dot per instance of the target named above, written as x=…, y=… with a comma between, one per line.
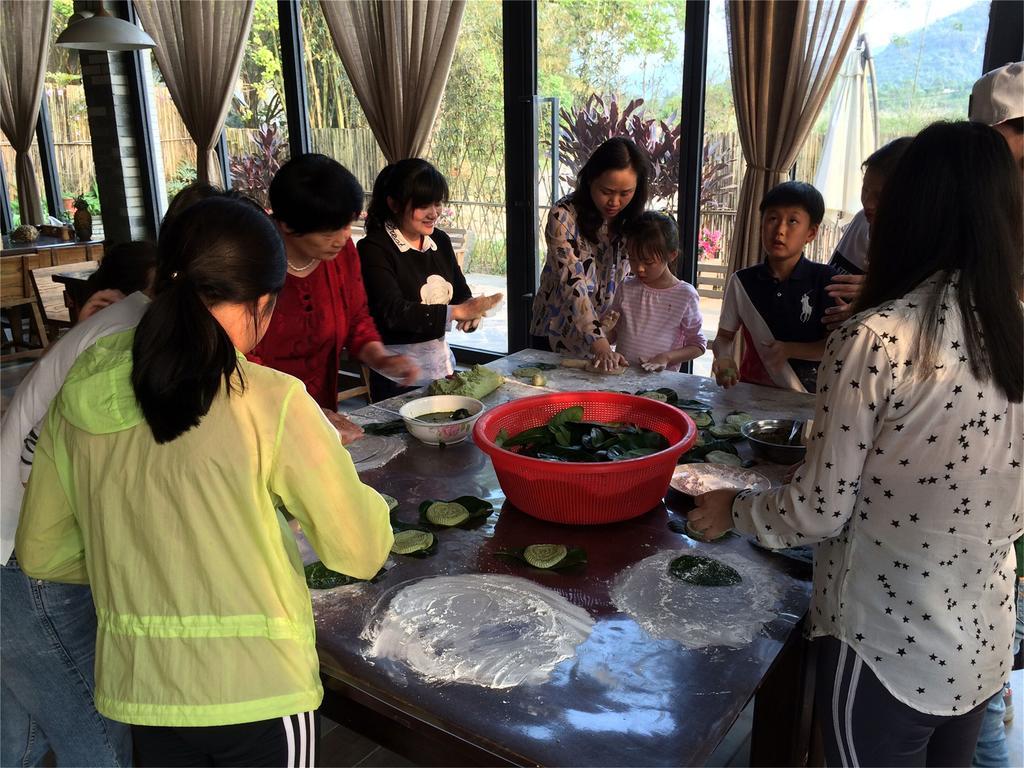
x=912, y=485
x=586, y=261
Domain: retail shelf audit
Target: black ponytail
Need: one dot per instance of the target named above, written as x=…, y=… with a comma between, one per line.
x=223, y=250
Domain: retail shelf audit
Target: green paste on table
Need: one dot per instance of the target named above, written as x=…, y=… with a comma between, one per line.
x=704, y=571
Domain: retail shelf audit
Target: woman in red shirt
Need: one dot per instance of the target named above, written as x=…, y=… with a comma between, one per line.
x=322, y=307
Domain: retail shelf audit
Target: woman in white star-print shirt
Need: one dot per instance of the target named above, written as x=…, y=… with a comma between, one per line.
x=912, y=485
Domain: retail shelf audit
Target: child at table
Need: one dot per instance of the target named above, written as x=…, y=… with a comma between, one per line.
x=778, y=304
x=659, y=314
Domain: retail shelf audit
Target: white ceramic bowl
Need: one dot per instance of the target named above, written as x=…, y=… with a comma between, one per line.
x=446, y=432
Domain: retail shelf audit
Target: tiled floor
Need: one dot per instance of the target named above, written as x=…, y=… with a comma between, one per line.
x=340, y=746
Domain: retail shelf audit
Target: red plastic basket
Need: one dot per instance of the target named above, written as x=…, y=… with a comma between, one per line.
x=585, y=493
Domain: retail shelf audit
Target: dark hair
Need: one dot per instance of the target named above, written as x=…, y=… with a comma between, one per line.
x=224, y=250
x=953, y=204
x=655, y=234
x=128, y=267
x=798, y=193
x=884, y=159
x=410, y=182
x=313, y=193
x=189, y=196
x=616, y=154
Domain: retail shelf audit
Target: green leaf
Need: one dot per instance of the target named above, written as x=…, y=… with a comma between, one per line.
x=704, y=571
x=726, y=432
x=706, y=443
x=319, y=576
x=661, y=394
x=395, y=427
x=738, y=418
x=477, y=510
x=533, y=435
x=694, y=405
x=575, y=413
x=723, y=457
x=526, y=372
x=414, y=542
x=561, y=434
x=701, y=419
x=554, y=557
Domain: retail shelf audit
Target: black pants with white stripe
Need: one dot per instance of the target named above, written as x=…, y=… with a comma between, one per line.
x=284, y=741
x=863, y=724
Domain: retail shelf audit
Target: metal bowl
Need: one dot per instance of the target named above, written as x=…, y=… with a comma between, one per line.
x=447, y=432
x=775, y=452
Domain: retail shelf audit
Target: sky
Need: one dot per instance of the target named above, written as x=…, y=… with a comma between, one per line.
x=882, y=20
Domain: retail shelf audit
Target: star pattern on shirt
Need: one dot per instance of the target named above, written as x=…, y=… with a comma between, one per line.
x=930, y=465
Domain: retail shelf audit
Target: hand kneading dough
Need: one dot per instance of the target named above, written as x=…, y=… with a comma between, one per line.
x=588, y=365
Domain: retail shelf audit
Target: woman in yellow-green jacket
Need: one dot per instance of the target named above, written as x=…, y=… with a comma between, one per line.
x=158, y=480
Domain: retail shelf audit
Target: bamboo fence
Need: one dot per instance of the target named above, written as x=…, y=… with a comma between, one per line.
x=477, y=192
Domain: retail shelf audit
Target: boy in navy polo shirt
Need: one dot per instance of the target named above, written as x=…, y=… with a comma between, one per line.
x=779, y=304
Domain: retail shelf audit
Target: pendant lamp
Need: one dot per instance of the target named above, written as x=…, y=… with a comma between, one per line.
x=100, y=31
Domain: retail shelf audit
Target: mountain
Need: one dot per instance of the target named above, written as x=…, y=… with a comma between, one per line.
x=945, y=58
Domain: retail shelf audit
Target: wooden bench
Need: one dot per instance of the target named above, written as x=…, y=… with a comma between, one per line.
x=711, y=280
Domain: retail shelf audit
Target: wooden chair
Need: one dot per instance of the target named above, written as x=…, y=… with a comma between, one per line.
x=711, y=280
x=360, y=390
x=62, y=290
x=358, y=231
x=462, y=243
x=50, y=296
x=73, y=254
x=18, y=304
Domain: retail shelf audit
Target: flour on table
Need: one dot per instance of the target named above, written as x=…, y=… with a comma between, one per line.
x=694, y=616
x=489, y=630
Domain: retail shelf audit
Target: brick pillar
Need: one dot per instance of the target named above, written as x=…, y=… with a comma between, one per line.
x=115, y=146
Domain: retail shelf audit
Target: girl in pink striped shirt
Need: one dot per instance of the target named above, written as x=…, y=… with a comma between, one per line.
x=659, y=315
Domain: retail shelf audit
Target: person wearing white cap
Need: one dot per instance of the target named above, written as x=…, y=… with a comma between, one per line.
x=997, y=99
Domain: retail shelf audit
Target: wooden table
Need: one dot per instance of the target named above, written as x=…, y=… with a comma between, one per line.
x=75, y=287
x=625, y=699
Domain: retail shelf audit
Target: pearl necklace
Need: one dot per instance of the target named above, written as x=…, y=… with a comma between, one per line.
x=309, y=266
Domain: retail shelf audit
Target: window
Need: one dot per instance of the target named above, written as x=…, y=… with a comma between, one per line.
x=177, y=156
x=256, y=127
x=468, y=147
x=338, y=127
x=926, y=57
x=12, y=181
x=69, y=123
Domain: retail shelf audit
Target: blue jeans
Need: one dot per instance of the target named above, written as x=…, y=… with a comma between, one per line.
x=47, y=651
x=991, y=751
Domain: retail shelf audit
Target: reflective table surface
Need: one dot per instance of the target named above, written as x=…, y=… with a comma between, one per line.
x=626, y=698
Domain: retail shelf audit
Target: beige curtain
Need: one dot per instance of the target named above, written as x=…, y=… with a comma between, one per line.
x=397, y=54
x=199, y=48
x=25, y=32
x=784, y=55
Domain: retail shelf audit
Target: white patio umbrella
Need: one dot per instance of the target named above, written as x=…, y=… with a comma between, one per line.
x=852, y=134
